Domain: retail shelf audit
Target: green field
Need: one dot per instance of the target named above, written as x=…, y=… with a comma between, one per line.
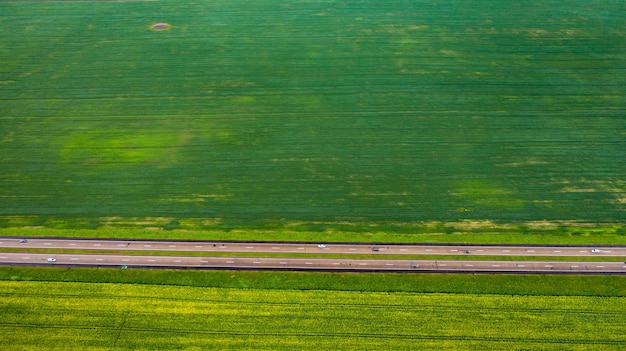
x=311, y=115
x=341, y=120
x=62, y=316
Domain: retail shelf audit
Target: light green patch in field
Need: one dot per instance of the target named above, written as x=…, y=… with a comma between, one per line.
x=137, y=144
x=488, y=193
x=121, y=147
x=243, y=99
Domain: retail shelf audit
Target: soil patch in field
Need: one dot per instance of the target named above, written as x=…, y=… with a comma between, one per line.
x=160, y=26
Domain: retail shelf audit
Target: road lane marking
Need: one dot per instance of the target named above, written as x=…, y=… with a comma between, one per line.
x=308, y=262
x=171, y=245
x=47, y=244
x=151, y=260
x=468, y=265
x=530, y=250
x=178, y=261
x=275, y=248
x=549, y=266
x=352, y=249
x=301, y=248
x=249, y=247
x=521, y=265
x=122, y=245
x=404, y=250
x=72, y=244
x=99, y=259
x=256, y=262
x=495, y=265
x=199, y=246
x=506, y=250
x=389, y=264
x=3, y=258
x=556, y=251
x=575, y=266
x=147, y=245
x=599, y=266
x=282, y=262
x=73, y=259
x=429, y=250
x=97, y=244
x=336, y=263
x=443, y=265
x=204, y=261
x=230, y=262
x=362, y=264
x=26, y=257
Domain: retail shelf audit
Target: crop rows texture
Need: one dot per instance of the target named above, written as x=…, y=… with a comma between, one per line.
x=144, y=317
x=263, y=113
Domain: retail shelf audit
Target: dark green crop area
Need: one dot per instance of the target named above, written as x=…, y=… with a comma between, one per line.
x=312, y=115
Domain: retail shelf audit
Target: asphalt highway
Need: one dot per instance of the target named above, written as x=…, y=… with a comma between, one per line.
x=27, y=257
x=323, y=264
x=263, y=247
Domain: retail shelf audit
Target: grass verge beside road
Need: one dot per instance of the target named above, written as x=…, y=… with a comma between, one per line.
x=545, y=285
x=609, y=235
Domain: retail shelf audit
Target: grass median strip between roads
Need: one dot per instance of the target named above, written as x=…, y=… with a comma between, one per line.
x=467, y=257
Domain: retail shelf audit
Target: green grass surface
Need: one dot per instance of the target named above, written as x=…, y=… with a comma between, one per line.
x=61, y=316
x=310, y=116
x=473, y=257
x=500, y=284
x=594, y=235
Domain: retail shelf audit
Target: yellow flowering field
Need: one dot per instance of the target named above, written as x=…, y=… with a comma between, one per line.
x=94, y=316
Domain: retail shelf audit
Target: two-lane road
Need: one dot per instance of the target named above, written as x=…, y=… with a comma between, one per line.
x=339, y=248
x=330, y=264
x=326, y=264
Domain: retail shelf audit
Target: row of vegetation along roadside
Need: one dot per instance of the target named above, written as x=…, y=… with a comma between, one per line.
x=507, y=284
x=610, y=235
